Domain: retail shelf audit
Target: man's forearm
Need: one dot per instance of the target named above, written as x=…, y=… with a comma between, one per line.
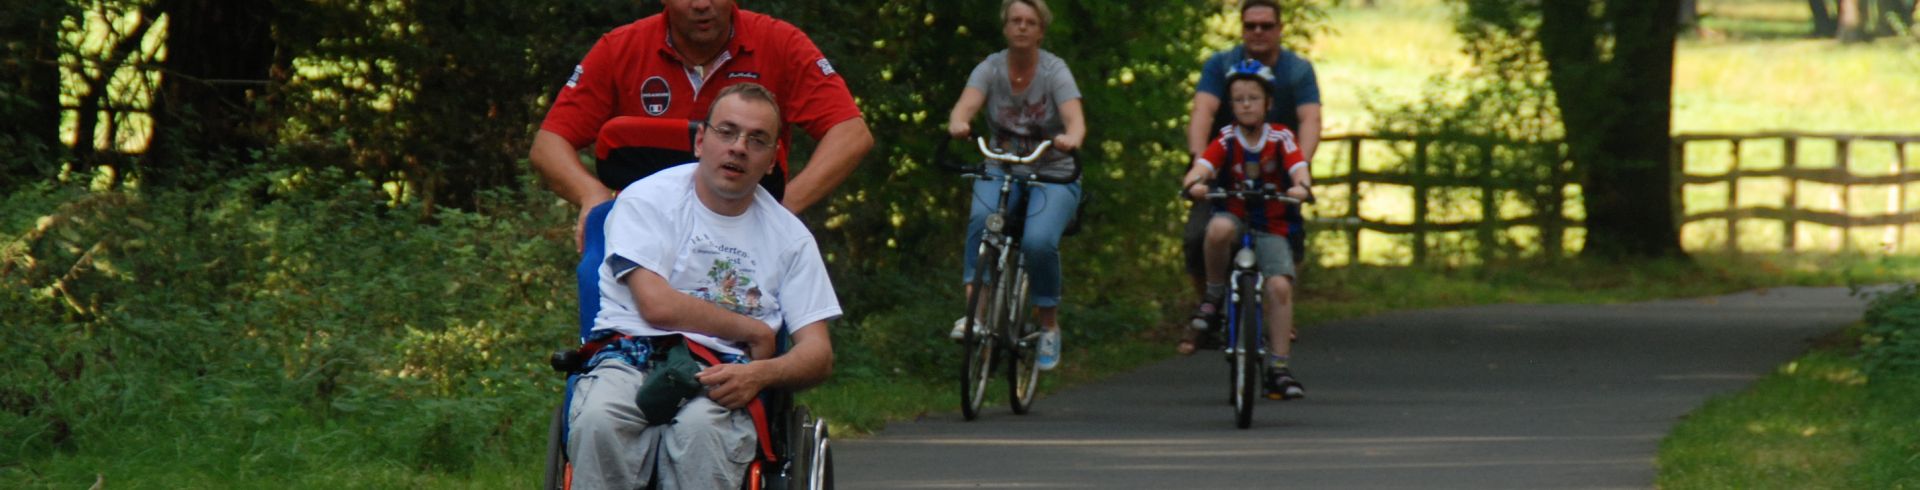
x=670, y=309
x=1309, y=130
x=808, y=363
x=835, y=158
x=559, y=165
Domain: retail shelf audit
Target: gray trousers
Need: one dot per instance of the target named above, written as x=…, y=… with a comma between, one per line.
x=612, y=447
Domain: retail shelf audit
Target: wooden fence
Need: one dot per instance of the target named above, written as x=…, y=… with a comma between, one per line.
x=1431, y=168
x=1543, y=195
x=1841, y=214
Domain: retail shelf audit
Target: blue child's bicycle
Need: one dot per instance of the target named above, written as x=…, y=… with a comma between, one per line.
x=1246, y=340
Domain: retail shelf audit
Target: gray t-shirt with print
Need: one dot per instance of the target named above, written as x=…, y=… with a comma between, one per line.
x=1021, y=121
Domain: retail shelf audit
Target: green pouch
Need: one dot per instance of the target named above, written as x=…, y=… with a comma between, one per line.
x=670, y=383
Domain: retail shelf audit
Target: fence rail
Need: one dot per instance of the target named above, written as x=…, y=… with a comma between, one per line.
x=1792, y=212
x=1543, y=195
x=1547, y=196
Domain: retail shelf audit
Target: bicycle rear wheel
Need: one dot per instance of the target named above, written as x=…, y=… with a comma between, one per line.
x=983, y=307
x=1246, y=359
x=1023, y=366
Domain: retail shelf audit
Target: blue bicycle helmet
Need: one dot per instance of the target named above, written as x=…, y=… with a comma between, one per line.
x=1252, y=70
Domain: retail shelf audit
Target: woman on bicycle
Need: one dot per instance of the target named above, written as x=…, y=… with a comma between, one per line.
x=1264, y=154
x=1030, y=98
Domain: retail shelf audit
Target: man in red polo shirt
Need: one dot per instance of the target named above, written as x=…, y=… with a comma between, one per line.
x=664, y=70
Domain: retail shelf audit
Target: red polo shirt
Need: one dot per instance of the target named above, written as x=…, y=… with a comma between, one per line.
x=634, y=71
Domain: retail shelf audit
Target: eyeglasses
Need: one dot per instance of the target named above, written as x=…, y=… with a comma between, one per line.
x=1249, y=100
x=1260, y=26
x=728, y=134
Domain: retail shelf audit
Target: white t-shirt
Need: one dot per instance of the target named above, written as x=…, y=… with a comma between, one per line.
x=762, y=264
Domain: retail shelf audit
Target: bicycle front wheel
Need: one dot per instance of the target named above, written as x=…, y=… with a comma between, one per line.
x=983, y=306
x=1023, y=366
x=1246, y=359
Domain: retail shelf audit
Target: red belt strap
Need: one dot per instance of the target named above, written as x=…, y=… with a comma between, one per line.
x=755, y=407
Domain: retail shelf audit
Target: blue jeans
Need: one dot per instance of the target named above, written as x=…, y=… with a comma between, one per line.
x=1049, y=207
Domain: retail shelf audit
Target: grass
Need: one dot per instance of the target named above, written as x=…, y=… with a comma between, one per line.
x=1814, y=423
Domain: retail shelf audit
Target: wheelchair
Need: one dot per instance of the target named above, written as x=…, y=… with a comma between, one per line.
x=802, y=457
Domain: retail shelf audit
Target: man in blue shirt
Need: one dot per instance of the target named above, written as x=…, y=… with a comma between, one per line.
x=1296, y=104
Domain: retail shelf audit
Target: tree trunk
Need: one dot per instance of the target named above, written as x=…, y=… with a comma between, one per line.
x=1852, y=28
x=1617, y=112
x=1824, y=25
x=220, y=55
x=32, y=122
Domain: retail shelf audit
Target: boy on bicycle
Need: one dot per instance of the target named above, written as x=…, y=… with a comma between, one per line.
x=1253, y=152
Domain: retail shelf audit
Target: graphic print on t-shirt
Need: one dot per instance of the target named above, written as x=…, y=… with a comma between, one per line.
x=730, y=281
x=1023, y=117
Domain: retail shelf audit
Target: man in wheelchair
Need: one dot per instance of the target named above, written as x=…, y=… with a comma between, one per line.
x=702, y=270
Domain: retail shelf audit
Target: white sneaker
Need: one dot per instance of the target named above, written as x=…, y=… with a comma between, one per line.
x=1049, y=351
x=960, y=329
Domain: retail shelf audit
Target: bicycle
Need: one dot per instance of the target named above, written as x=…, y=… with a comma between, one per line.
x=1246, y=346
x=997, y=313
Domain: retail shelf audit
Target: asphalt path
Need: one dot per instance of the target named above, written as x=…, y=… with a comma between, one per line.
x=1507, y=396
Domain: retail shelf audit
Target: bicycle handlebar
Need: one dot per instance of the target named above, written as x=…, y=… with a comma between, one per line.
x=1269, y=194
x=1012, y=158
x=978, y=171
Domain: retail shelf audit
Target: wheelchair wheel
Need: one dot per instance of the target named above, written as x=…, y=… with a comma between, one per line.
x=1246, y=361
x=1023, y=367
x=984, y=309
x=810, y=461
x=558, y=470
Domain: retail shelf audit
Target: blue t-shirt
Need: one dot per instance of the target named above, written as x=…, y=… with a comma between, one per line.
x=1292, y=75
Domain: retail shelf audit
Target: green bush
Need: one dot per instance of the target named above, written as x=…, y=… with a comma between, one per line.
x=1891, y=344
x=292, y=299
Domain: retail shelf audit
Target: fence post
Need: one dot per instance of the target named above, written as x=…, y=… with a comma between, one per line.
x=1353, y=200
x=1733, y=201
x=1553, y=232
x=1898, y=204
x=1677, y=182
x=1790, y=162
x=1419, y=200
x=1842, y=158
x=1489, y=204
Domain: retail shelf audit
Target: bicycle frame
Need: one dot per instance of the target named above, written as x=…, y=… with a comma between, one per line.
x=1001, y=282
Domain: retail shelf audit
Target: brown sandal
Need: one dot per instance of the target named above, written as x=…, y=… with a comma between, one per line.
x=1187, y=344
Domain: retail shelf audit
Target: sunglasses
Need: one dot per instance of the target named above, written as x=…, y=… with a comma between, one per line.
x=1260, y=26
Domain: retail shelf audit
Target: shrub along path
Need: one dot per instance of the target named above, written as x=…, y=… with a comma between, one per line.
x=1507, y=396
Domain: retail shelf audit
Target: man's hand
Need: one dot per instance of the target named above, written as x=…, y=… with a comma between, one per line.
x=734, y=385
x=1298, y=192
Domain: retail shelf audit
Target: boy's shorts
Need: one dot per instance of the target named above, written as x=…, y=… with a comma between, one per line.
x=1274, y=254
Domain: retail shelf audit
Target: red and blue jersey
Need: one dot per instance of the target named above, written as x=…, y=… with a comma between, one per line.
x=1267, y=159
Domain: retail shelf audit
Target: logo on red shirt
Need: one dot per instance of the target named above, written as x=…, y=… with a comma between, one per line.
x=655, y=96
